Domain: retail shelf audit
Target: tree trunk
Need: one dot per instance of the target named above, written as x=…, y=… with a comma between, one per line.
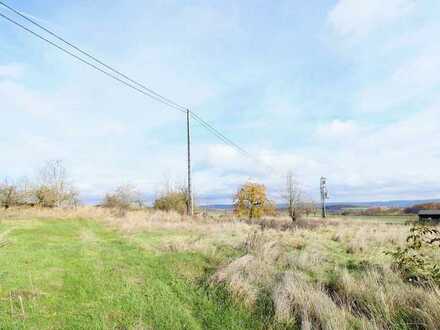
x=292, y=214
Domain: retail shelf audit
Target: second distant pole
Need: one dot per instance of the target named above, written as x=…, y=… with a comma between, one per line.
x=324, y=196
x=188, y=139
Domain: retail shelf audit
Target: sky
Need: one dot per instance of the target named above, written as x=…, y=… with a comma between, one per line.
x=347, y=89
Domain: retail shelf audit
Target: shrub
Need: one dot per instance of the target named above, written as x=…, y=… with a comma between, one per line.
x=123, y=198
x=46, y=196
x=172, y=201
x=9, y=195
x=412, y=262
x=49, y=196
x=53, y=188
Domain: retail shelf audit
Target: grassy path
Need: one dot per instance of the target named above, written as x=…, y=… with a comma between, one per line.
x=76, y=274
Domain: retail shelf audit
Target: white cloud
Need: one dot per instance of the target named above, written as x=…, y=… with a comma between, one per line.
x=356, y=18
x=396, y=161
x=337, y=130
x=399, y=160
x=111, y=128
x=420, y=72
x=416, y=79
x=87, y=111
x=16, y=97
x=221, y=155
x=11, y=71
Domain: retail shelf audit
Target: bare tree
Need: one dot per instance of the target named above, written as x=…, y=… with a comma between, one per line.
x=54, y=188
x=293, y=196
x=17, y=193
x=26, y=190
x=123, y=198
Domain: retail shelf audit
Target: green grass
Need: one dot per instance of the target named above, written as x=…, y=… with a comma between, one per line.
x=76, y=274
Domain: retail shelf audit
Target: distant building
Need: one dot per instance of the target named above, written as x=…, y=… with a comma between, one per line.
x=429, y=216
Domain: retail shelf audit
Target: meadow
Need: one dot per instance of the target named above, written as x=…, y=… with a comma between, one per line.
x=92, y=269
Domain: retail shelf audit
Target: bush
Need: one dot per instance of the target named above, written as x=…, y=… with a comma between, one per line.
x=411, y=261
x=46, y=196
x=123, y=198
x=53, y=188
x=50, y=196
x=172, y=201
x=9, y=196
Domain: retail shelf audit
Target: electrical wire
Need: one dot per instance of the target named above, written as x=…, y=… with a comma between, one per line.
x=164, y=99
x=139, y=87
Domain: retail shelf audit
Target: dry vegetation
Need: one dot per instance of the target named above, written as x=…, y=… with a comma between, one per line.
x=312, y=275
x=324, y=278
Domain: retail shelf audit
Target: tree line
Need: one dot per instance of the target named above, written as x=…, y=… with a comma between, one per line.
x=52, y=187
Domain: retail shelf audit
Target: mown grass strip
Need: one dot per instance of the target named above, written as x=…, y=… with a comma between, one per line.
x=70, y=274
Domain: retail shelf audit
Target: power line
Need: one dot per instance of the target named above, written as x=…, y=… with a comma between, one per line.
x=168, y=101
x=229, y=142
x=164, y=99
x=139, y=87
x=83, y=60
x=219, y=135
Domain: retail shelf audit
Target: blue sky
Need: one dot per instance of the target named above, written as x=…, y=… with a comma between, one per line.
x=348, y=89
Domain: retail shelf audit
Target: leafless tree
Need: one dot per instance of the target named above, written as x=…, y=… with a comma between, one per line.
x=26, y=190
x=123, y=198
x=54, y=188
x=293, y=197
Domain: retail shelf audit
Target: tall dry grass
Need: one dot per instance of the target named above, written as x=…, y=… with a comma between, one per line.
x=330, y=278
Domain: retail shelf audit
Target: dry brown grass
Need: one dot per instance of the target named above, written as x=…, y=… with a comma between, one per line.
x=332, y=277
x=26, y=213
x=317, y=275
x=365, y=237
x=296, y=300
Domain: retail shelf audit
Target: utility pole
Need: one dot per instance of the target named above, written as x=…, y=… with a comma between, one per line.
x=324, y=195
x=188, y=140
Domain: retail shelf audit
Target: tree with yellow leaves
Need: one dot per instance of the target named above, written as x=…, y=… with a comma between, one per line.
x=251, y=201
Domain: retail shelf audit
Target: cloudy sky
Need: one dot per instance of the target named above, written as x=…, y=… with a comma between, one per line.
x=348, y=89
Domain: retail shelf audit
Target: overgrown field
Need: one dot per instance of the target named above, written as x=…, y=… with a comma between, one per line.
x=151, y=270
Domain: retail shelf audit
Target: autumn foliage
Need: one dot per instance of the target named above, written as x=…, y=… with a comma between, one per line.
x=251, y=201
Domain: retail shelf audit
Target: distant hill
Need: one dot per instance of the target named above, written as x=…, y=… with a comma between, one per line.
x=218, y=207
x=337, y=206
x=393, y=203
x=332, y=206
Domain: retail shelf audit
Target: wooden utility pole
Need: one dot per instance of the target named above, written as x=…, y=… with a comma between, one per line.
x=188, y=140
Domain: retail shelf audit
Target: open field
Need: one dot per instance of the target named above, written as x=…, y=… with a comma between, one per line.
x=152, y=270
x=73, y=274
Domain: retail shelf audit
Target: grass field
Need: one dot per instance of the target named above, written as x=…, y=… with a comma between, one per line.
x=77, y=274
x=89, y=269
